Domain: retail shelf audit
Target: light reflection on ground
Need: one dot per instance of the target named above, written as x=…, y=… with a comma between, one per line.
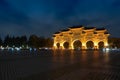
x=60, y=65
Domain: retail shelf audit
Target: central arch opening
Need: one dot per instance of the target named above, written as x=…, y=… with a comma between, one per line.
x=77, y=45
x=66, y=45
x=90, y=45
x=101, y=45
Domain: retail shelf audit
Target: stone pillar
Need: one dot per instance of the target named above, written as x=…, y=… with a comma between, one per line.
x=84, y=46
x=71, y=46
x=96, y=47
x=54, y=46
x=61, y=46
x=106, y=44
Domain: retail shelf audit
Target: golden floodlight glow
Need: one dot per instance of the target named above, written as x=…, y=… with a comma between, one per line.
x=89, y=37
x=106, y=44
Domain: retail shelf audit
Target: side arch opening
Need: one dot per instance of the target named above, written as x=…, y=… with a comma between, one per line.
x=101, y=45
x=66, y=45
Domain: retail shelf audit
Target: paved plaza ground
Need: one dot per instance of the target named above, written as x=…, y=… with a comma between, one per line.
x=60, y=65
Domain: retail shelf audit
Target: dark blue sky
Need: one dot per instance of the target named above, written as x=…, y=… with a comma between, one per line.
x=44, y=17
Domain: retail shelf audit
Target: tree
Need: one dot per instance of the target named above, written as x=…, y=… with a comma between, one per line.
x=42, y=42
x=33, y=41
x=17, y=41
x=6, y=41
x=114, y=42
x=49, y=42
x=23, y=41
x=1, y=42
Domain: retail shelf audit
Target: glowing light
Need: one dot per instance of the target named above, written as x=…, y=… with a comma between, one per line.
x=83, y=44
x=107, y=49
x=95, y=43
x=61, y=44
x=2, y=48
x=17, y=48
x=27, y=47
x=54, y=44
x=12, y=49
x=106, y=44
x=46, y=48
x=7, y=47
x=30, y=49
x=72, y=47
x=35, y=49
x=20, y=47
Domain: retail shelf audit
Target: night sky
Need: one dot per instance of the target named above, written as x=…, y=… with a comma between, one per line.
x=44, y=17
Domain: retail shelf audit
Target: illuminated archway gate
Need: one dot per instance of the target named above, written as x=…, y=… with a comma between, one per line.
x=83, y=34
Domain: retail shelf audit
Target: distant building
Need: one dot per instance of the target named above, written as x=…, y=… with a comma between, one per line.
x=79, y=37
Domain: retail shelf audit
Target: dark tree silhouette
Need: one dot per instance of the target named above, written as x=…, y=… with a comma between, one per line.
x=23, y=41
x=49, y=42
x=39, y=42
x=6, y=41
x=1, y=42
x=33, y=41
x=42, y=42
x=114, y=42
